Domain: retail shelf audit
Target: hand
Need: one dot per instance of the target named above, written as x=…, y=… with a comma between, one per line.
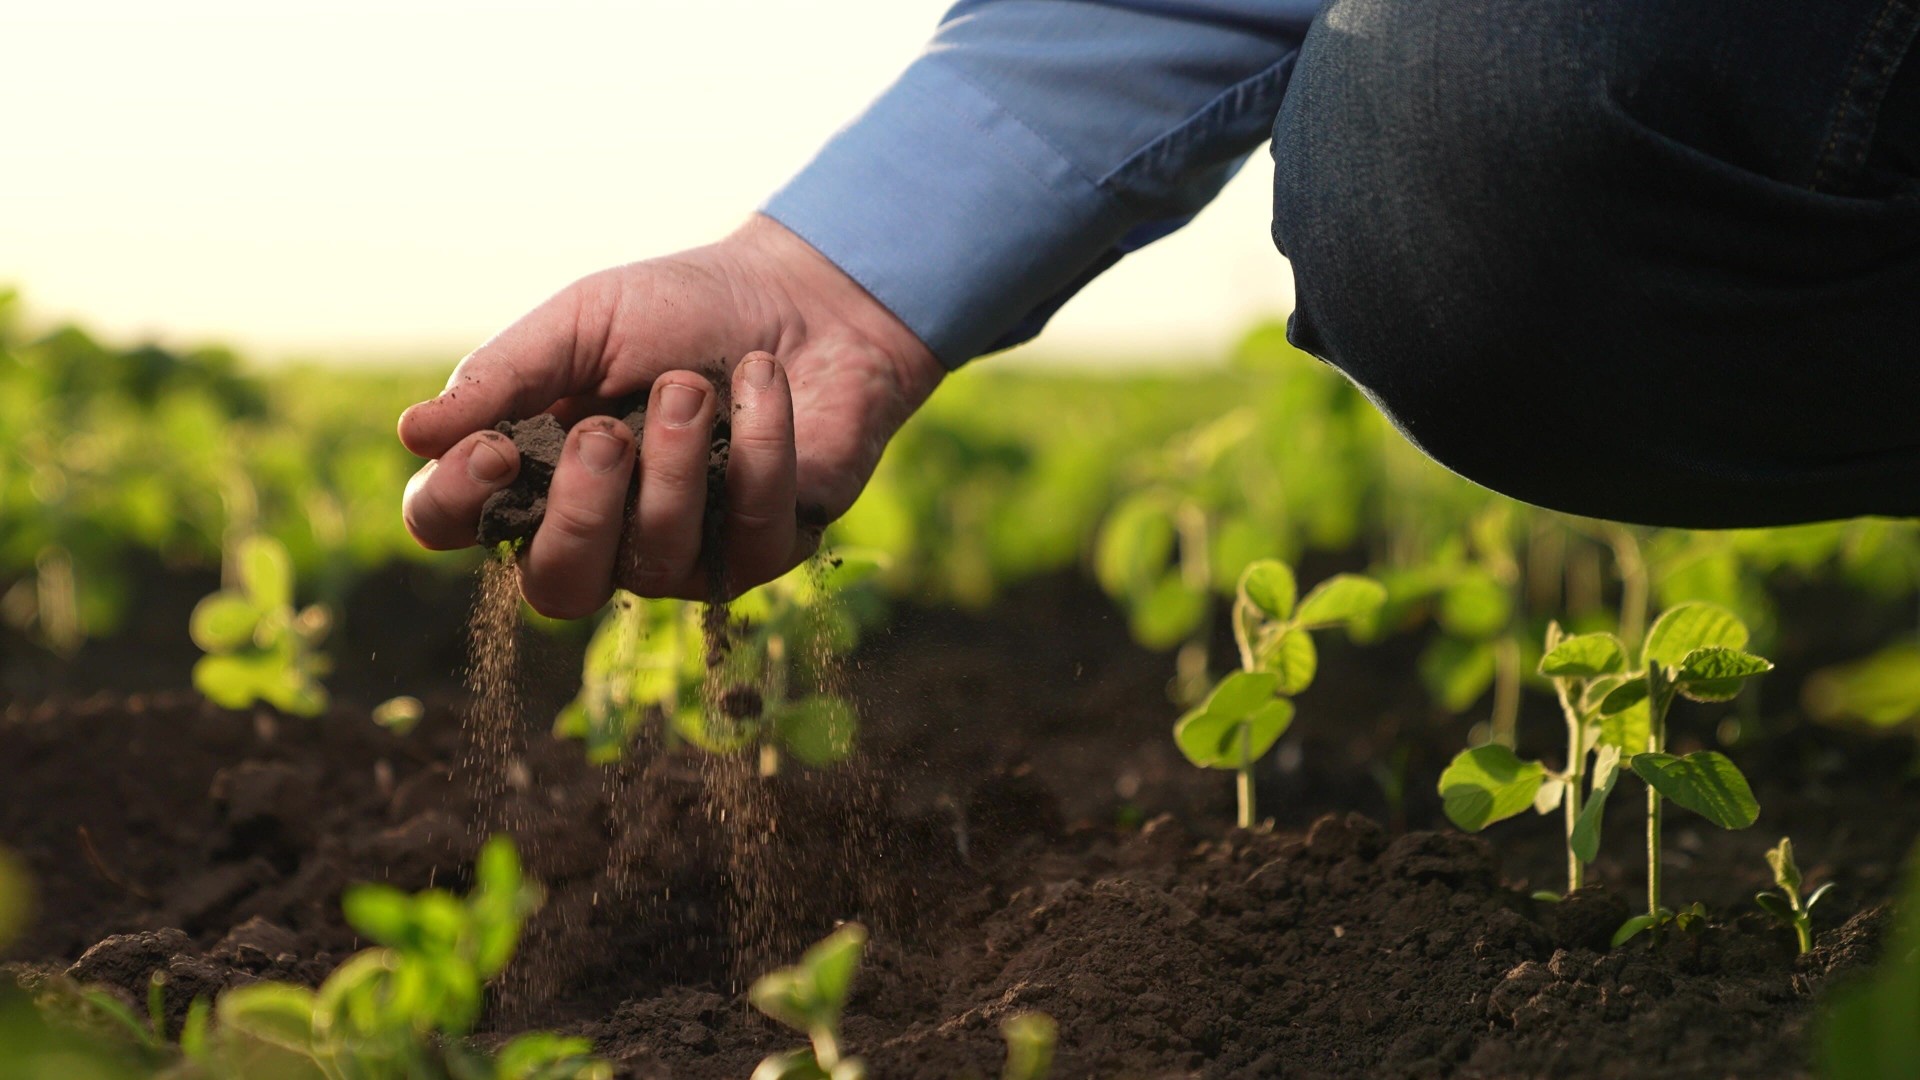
x=822, y=377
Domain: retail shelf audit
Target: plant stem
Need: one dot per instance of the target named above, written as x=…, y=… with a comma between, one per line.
x=1243, y=784
x=826, y=1048
x=1633, y=584
x=1506, y=692
x=1803, y=930
x=1196, y=572
x=1657, y=702
x=1576, y=782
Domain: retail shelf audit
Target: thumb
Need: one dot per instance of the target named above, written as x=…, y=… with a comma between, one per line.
x=520, y=372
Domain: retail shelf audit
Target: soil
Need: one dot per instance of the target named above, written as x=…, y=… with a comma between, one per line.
x=1019, y=833
x=515, y=512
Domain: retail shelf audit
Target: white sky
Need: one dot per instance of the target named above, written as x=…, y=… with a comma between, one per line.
x=350, y=178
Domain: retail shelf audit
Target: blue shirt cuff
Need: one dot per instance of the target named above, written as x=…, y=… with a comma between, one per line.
x=951, y=212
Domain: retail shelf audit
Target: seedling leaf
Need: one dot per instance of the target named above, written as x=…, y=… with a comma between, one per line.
x=1475, y=606
x=1269, y=586
x=1292, y=657
x=1635, y=926
x=1488, y=784
x=1213, y=740
x=1241, y=692
x=1691, y=626
x=812, y=993
x=1775, y=906
x=1135, y=544
x=266, y=572
x=278, y=1014
x=1547, y=799
x=1343, y=598
x=1786, y=872
x=223, y=621
x=1585, y=839
x=1457, y=671
x=1716, y=674
x=1705, y=782
x=1627, y=695
x=817, y=730
x=1030, y=1040
x=1168, y=612
x=1585, y=657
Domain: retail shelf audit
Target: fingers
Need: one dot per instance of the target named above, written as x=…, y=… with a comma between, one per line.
x=673, y=487
x=442, y=503
x=520, y=372
x=567, y=571
x=760, y=527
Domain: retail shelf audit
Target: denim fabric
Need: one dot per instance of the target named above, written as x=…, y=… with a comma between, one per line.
x=1635, y=259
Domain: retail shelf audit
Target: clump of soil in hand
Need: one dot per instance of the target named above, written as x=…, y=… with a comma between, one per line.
x=515, y=512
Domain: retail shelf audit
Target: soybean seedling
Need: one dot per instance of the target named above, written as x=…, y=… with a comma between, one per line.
x=1030, y=1039
x=1250, y=709
x=258, y=647
x=1788, y=907
x=809, y=997
x=1695, y=651
x=1490, y=783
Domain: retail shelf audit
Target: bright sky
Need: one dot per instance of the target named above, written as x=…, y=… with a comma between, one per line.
x=351, y=178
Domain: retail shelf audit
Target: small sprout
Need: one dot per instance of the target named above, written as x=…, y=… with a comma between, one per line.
x=258, y=647
x=1695, y=651
x=399, y=715
x=1030, y=1040
x=1787, y=907
x=1249, y=709
x=809, y=997
x=1490, y=783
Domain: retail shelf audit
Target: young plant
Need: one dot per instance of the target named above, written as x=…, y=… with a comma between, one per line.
x=648, y=658
x=1156, y=552
x=806, y=616
x=1695, y=651
x=809, y=997
x=1030, y=1039
x=1490, y=783
x=397, y=1012
x=258, y=647
x=1788, y=907
x=1250, y=709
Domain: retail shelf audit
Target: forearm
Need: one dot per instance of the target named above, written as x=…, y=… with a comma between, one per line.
x=1030, y=147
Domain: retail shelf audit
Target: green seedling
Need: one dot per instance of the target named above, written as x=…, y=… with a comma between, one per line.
x=1695, y=651
x=259, y=648
x=1471, y=587
x=1787, y=907
x=1250, y=709
x=1030, y=1040
x=1490, y=783
x=809, y=997
x=648, y=659
x=396, y=1012
x=1156, y=551
x=401, y=1010
x=797, y=620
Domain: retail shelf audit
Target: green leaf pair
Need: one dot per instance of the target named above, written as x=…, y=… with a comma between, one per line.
x=258, y=648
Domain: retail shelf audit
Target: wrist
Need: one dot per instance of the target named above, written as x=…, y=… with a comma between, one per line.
x=822, y=306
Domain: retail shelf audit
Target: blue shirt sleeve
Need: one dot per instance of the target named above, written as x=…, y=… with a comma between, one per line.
x=1033, y=144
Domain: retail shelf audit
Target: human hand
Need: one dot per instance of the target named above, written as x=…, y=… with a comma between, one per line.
x=822, y=376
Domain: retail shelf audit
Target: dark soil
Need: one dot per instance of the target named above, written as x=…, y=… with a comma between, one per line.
x=992, y=837
x=515, y=512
